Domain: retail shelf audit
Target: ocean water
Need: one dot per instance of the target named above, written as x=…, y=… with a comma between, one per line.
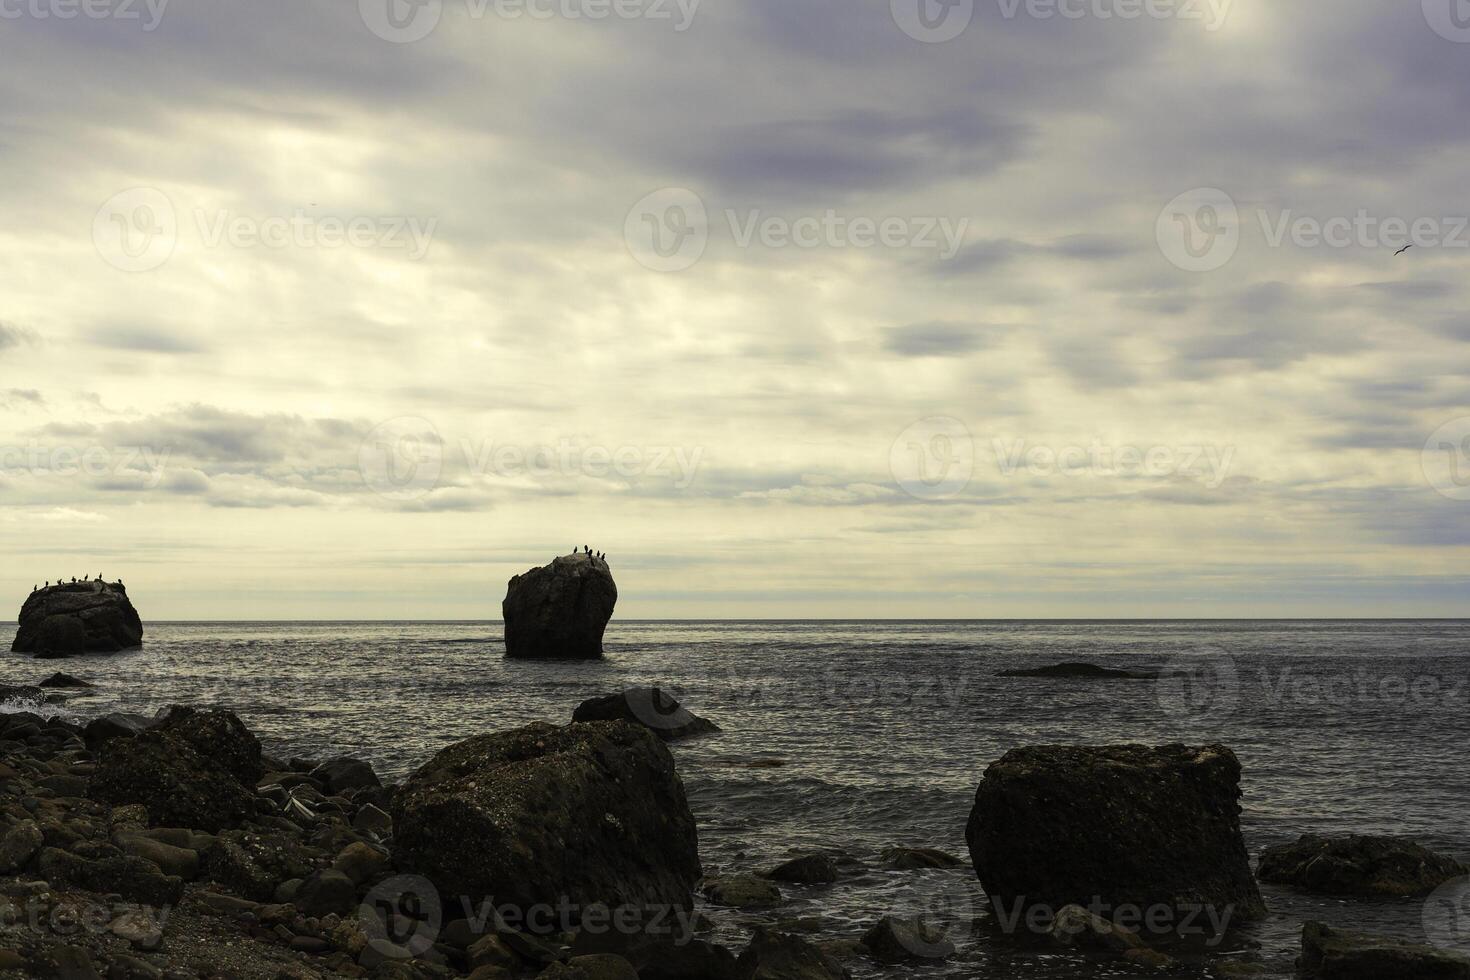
x=855, y=736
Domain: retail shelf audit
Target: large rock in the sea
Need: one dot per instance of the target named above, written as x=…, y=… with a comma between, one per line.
x=79, y=617
x=651, y=707
x=590, y=814
x=559, y=611
x=193, y=769
x=1332, y=954
x=1115, y=827
x=1358, y=865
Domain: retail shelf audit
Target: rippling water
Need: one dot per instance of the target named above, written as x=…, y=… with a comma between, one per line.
x=860, y=735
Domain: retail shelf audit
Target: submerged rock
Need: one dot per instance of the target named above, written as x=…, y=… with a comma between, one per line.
x=1333, y=954
x=650, y=707
x=1082, y=671
x=894, y=940
x=917, y=859
x=1358, y=865
x=778, y=956
x=559, y=611
x=809, y=869
x=1115, y=827
x=589, y=814
x=742, y=892
x=81, y=617
x=66, y=681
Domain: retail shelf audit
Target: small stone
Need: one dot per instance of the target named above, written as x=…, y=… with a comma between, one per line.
x=139, y=928
x=19, y=845
x=326, y=891
x=360, y=862
x=370, y=818
x=743, y=892
x=811, y=869
x=894, y=940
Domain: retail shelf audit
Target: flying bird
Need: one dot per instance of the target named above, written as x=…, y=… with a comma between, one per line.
x=1404, y=249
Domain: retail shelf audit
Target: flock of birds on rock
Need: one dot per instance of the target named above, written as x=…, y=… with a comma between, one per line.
x=74, y=581
x=590, y=553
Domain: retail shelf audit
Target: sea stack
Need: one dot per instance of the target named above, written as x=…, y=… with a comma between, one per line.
x=78, y=617
x=559, y=611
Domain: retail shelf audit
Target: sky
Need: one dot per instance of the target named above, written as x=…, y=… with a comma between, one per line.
x=321, y=309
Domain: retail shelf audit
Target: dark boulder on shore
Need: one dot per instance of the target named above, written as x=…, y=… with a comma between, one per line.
x=590, y=814
x=193, y=769
x=1080, y=671
x=650, y=707
x=559, y=611
x=1115, y=826
x=1358, y=865
x=1333, y=954
x=79, y=617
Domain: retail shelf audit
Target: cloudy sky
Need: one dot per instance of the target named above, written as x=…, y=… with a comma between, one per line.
x=797, y=308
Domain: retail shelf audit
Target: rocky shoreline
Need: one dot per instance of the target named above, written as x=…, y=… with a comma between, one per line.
x=177, y=846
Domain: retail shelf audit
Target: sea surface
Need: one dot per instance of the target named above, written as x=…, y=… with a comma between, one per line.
x=856, y=736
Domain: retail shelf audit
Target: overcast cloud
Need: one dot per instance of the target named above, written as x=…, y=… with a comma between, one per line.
x=788, y=309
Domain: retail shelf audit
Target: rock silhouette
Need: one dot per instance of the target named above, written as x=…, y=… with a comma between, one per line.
x=85, y=617
x=559, y=611
x=590, y=813
x=1123, y=825
x=1358, y=865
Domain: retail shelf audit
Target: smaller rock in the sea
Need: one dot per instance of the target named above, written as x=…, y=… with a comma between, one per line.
x=779, y=956
x=917, y=859
x=651, y=707
x=65, y=681
x=1358, y=865
x=809, y=869
x=1081, y=671
x=1333, y=954
x=76, y=618
x=559, y=611
x=742, y=892
x=895, y=940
